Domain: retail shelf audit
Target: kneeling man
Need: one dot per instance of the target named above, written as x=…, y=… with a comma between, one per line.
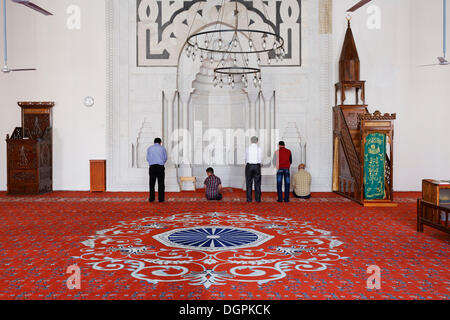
x=213, y=186
x=302, y=183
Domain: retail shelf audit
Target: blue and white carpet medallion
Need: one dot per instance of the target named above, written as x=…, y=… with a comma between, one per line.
x=212, y=238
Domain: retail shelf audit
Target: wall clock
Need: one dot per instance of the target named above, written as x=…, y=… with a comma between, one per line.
x=89, y=101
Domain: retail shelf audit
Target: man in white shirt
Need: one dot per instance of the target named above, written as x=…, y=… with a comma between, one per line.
x=253, y=158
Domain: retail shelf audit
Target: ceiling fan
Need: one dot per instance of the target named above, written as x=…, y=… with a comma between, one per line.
x=442, y=60
x=358, y=5
x=31, y=5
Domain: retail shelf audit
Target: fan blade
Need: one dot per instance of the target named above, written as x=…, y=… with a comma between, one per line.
x=442, y=60
x=23, y=69
x=358, y=5
x=429, y=65
x=5, y=36
x=445, y=28
x=37, y=8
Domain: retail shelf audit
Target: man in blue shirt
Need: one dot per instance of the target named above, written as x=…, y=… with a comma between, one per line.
x=157, y=158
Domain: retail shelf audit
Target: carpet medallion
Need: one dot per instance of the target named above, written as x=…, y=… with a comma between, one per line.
x=211, y=249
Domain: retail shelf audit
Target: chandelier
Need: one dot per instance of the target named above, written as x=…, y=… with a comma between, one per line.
x=235, y=51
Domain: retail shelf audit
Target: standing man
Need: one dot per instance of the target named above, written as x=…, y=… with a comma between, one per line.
x=283, y=161
x=253, y=158
x=157, y=158
x=302, y=183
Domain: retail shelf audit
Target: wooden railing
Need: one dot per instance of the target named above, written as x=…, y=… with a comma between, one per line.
x=350, y=153
x=432, y=215
x=387, y=182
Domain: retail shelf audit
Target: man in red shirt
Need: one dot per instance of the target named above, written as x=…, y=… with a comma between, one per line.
x=283, y=161
x=213, y=186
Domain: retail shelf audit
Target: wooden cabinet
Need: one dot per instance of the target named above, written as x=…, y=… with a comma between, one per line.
x=434, y=208
x=435, y=192
x=98, y=175
x=30, y=151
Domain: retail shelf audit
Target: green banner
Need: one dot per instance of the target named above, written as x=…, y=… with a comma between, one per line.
x=374, y=166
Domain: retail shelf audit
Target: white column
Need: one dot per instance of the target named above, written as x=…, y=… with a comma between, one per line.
x=267, y=125
x=176, y=115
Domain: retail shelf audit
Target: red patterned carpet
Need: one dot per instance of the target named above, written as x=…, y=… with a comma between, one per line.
x=187, y=248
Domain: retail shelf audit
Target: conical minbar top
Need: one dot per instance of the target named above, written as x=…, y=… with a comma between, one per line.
x=349, y=64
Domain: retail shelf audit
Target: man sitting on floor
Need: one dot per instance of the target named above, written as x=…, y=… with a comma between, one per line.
x=213, y=186
x=302, y=183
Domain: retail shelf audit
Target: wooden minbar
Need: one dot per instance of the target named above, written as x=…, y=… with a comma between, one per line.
x=30, y=150
x=362, y=141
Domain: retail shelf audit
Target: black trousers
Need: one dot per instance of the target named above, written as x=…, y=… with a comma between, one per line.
x=218, y=198
x=253, y=174
x=300, y=197
x=157, y=172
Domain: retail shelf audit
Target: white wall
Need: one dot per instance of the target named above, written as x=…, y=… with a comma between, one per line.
x=410, y=35
x=71, y=65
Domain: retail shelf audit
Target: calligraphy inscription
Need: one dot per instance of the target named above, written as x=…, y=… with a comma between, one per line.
x=163, y=26
x=374, y=166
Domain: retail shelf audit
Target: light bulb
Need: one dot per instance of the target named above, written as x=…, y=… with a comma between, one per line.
x=250, y=43
x=221, y=83
x=220, y=43
x=206, y=43
x=232, y=84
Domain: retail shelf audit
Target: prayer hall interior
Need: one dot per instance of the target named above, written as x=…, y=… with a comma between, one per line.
x=324, y=124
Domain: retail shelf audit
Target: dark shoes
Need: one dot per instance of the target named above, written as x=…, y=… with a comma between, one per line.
x=151, y=201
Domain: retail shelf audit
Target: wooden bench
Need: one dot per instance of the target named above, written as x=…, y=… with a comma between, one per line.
x=189, y=179
x=432, y=215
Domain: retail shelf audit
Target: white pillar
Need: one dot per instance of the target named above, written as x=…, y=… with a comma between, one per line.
x=175, y=137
